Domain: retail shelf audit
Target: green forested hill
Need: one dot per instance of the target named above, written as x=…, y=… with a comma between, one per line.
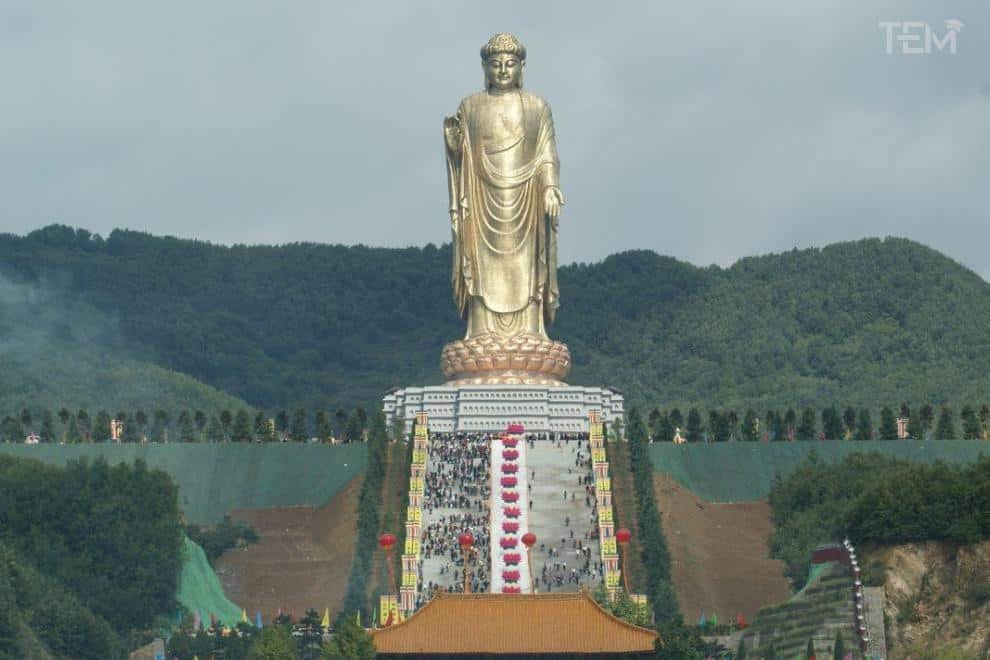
x=860, y=323
x=59, y=350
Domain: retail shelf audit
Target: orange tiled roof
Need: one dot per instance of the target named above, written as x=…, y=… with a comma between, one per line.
x=520, y=623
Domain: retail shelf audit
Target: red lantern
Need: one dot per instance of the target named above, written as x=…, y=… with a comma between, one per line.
x=466, y=540
x=529, y=539
x=386, y=541
x=623, y=535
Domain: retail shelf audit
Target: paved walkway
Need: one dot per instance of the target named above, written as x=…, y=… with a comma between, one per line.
x=563, y=524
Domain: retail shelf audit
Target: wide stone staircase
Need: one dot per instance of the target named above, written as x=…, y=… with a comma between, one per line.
x=566, y=555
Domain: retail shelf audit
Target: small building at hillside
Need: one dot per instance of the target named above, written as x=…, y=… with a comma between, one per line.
x=486, y=625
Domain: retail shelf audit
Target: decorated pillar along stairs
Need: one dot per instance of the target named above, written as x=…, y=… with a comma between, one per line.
x=414, y=516
x=603, y=498
x=509, y=513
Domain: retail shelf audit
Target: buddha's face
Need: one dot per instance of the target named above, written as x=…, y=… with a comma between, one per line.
x=503, y=71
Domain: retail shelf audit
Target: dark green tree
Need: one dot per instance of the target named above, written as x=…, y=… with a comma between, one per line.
x=985, y=421
x=141, y=419
x=680, y=642
x=282, y=422
x=774, y=425
x=47, y=426
x=214, y=430
x=8, y=613
x=63, y=417
x=946, y=429
x=914, y=428
x=12, y=429
x=297, y=429
x=101, y=426
x=694, y=427
x=353, y=430
x=806, y=428
x=27, y=419
x=832, y=424
x=970, y=423
x=340, y=417
x=73, y=435
x=273, y=642
x=741, y=649
x=838, y=647
x=241, y=429
x=85, y=426
x=717, y=427
x=201, y=420
x=260, y=427
x=888, y=425
x=665, y=430
x=159, y=430
x=849, y=421
x=349, y=641
x=810, y=650
x=676, y=419
x=864, y=425
x=321, y=425
x=187, y=427
x=653, y=422
x=790, y=424
x=732, y=420
x=926, y=415
x=130, y=434
x=226, y=419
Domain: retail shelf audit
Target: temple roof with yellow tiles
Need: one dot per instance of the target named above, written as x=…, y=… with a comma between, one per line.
x=486, y=623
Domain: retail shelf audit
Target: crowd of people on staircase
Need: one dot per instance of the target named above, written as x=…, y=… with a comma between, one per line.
x=456, y=500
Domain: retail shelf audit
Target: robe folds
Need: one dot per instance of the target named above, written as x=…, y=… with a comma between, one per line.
x=504, y=273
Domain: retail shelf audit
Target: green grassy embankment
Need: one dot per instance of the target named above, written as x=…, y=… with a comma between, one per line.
x=216, y=478
x=741, y=471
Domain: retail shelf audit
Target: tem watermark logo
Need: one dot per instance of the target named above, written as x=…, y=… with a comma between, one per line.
x=920, y=38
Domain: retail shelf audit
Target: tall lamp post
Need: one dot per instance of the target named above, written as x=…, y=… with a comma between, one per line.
x=529, y=540
x=386, y=542
x=622, y=535
x=466, y=541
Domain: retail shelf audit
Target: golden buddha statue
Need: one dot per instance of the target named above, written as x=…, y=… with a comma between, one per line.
x=505, y=202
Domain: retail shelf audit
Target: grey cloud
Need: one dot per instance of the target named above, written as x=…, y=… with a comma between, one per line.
x=705, y=132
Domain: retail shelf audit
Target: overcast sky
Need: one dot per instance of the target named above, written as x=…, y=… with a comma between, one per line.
x=703, y=131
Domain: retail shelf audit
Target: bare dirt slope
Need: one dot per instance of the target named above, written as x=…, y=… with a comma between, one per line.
x=302, y=560
x=719, y=553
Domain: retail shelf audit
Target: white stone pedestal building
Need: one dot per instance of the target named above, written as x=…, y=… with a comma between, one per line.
x=539, y=408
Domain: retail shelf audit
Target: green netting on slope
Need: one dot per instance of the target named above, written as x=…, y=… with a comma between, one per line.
x=215, y=478
x=200, y=590
x=738, y=471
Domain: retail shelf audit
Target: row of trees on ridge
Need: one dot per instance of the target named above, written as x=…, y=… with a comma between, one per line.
x=827, y=424
x=185, y=426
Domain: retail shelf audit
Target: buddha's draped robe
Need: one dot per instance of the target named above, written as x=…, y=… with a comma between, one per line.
x=504, y=273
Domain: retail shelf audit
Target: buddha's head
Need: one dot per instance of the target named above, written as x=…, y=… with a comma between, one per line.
x=503, y=59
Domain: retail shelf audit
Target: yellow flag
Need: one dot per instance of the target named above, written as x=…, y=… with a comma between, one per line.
x=244, y=616
x=326, y=618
